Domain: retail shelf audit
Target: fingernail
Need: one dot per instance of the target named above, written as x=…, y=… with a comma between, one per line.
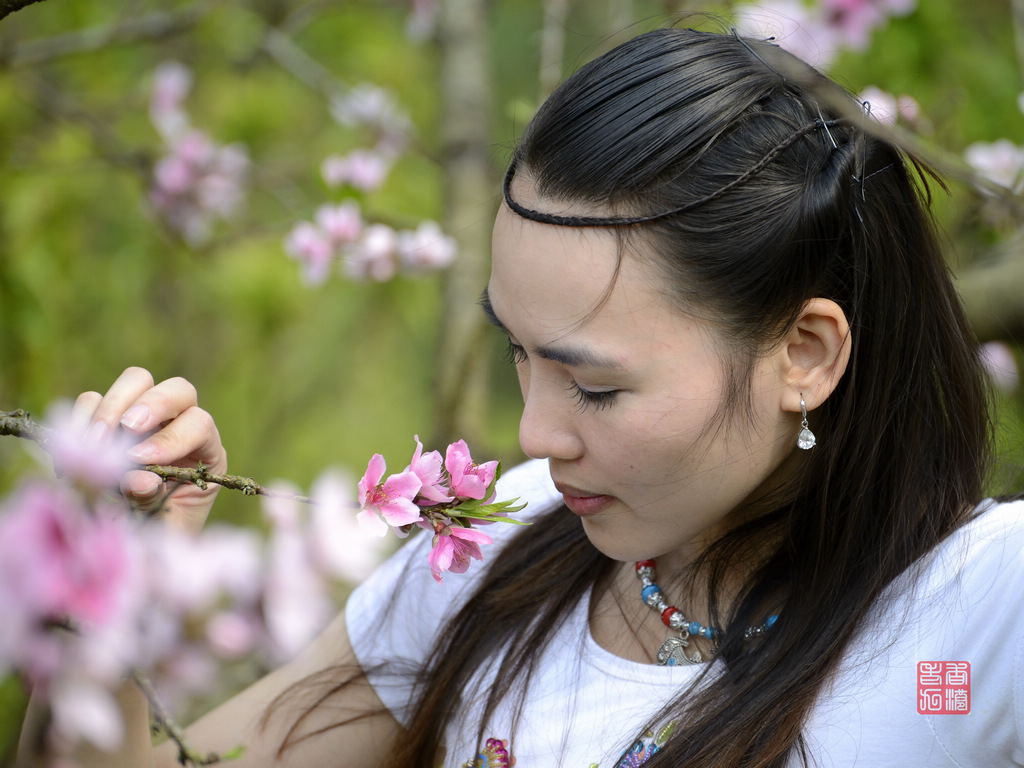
x=97, y=433
x=142, y=452
x=147, y=493
x=135, y=417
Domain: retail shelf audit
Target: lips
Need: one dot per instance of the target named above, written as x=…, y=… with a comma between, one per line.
x=583, y=503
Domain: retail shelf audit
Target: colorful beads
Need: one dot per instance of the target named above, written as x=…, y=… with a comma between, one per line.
x=649, y=591
x=673, y=618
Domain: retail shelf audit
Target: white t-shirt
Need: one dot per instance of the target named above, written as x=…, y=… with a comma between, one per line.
x=585, y=706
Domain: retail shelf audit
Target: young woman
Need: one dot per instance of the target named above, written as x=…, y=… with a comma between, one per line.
x=747, y=380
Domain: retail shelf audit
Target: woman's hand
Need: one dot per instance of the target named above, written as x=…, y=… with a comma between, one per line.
x=171, y=429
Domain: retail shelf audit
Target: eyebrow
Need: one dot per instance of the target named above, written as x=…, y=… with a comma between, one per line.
x=572, y=355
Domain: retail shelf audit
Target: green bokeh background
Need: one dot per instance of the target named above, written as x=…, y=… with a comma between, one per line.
x=302, y=378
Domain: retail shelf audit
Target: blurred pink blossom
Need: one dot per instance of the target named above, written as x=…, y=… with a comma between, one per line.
x=312, y=248
x=1001, y=162
x=853, y=20
x=95, y=457
x=369, y=105
x=231, y=633
x=343, y=224
x=799, y=29
x=426, y=249
x=171, y=84
x=363, y=169
x=339, y=546
x=296, y=602
x=195, y=181
x=888, y=109
x=57, y=559
x=374, y=256
x=817, y=33
x=84, y=709
x=1001, y=365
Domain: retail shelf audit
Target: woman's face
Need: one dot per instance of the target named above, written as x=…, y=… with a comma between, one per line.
x=621, y=392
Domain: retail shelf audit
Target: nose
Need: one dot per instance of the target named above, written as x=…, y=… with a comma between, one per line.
x=547, y=428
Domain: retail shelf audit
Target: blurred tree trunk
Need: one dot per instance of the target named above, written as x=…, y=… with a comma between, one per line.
x=470, y=186
x=552, y=45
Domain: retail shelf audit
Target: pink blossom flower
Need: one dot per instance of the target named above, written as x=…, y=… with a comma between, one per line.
x=388, y=503
x=197, y=181
x=296, y=602
x=342, y=224
x=1001, y=162
x=886, y=108
x=374, y=256
x=339, y=545
x=426, y=249
x=1001, y=365
x=453, y=548
x=231, y=634
x=84, y=709
x=171, y=84
x=853, y=20
x=363, y=169
x=817, y=33
x=173, y=175
x=57, y=559
x=795, y=27
x=427, y=467
x=366, y=104
x=95, y=457
x=468, y=480
x=313, y=249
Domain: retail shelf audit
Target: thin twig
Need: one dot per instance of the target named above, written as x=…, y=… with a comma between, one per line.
x=164, y=722
x=19, y=423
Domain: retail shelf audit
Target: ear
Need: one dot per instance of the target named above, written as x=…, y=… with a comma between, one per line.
x=814, y=354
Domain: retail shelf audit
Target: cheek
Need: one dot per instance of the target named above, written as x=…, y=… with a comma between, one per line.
x=523, y=374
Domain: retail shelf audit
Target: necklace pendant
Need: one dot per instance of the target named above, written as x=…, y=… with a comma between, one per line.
x=673, y=653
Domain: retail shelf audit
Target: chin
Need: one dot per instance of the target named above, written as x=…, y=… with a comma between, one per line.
x=615, y=547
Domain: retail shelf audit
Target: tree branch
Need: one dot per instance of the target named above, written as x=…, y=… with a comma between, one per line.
x=7, y=7
x=20, y=424
x=164, y=723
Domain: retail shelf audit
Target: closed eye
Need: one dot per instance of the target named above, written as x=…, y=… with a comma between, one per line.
x=585, y=398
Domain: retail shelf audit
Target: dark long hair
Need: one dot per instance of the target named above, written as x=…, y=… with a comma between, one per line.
x=758, y=189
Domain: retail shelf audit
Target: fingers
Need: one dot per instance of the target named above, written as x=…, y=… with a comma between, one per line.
x=141, y=488
x=123, y=393
x=191, y=436
x=164, y=417
x=83, y=409
x=139, y=405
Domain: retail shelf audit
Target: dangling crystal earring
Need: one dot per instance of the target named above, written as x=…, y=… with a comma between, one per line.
x=806, y=438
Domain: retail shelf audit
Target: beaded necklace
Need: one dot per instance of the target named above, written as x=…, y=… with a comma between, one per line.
x=673, y=650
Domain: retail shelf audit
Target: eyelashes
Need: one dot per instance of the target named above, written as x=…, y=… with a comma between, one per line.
x=585, y=398
x=515, y=354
